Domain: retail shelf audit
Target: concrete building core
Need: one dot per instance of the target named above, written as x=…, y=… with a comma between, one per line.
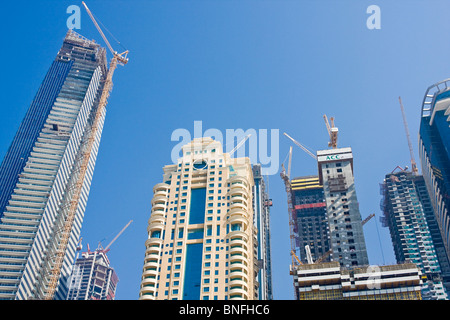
x=344, y=219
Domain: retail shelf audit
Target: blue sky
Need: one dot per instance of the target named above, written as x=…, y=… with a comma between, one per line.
x=235, y=64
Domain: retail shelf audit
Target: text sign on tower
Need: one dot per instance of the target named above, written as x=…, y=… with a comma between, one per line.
x=332, y=157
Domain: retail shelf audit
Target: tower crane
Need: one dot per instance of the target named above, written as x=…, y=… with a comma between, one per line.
x=370, y=216
x=285, y=176
x=301, y=146
x=291, y=211
x=411, y=152
x=106, y=249
x=332, y=131
x=69, y=210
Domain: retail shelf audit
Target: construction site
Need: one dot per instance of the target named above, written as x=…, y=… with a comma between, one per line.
x=329, y=257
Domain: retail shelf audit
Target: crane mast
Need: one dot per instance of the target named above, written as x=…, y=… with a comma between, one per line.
x=72, y=204
x=291, y=211
x=332, y=131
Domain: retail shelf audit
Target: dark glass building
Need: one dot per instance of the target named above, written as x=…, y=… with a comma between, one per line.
x=38, y=171
x=311, y=225
x=434, y=152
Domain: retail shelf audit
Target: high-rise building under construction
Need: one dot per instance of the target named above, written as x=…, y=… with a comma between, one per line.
x=92, y=277
x=311, y=221
x=347, y=242
x=404, y=205
x=40, y=171
x=202, y=240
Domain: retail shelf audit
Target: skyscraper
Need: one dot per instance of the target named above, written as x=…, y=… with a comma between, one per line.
x=202, y=239
x=261, y=209
x=434, y=152
x=92, y=277
x=311, y=218
x=38, y=172
x=344, y=219
x=412, y=240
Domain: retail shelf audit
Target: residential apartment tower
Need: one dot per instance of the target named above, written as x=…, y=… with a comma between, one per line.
x=202, y=240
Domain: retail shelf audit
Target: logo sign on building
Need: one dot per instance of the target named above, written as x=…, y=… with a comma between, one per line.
x=334, y=157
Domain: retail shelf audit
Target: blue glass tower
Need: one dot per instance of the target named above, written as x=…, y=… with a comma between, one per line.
x=407, y=213
x=434, y=152
x=261, y=220
x=39, y=167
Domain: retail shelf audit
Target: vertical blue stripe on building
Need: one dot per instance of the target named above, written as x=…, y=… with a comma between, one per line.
x=193, y=272
x=198, y=203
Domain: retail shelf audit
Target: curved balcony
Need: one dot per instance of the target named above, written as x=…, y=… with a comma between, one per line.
x=238, y=262
x=238, y=211
x=152, y=254
x=150, y=272
x=238, y=205
x=238, y=250
x=237, y=271
x=239, y=187
x=154, y=241
x=238, y=237
x=161, y=186
x=239, y=282
x=238, y=180
x=151, y=264
x=147, y=292
x=159, y=199
x=159, y=206
x=156, y=225
x=239, y=198
x=238, y=219
x=236, y=293
x=156, y=218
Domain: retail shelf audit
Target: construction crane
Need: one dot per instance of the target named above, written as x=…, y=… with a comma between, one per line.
x=291, y=211
x=368, y=218
x=411, y=152
x=106, y=249
x=301, y=146
x=71, y=207
x=332, y=131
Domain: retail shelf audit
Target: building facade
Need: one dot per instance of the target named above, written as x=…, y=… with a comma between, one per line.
x=202, y=241
x=346, y=235
x=434, y=153
x=404, y=204
x=92, y=277
x=330, y=281
x=311, y=225
x=40, y=166
x=261, y=209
